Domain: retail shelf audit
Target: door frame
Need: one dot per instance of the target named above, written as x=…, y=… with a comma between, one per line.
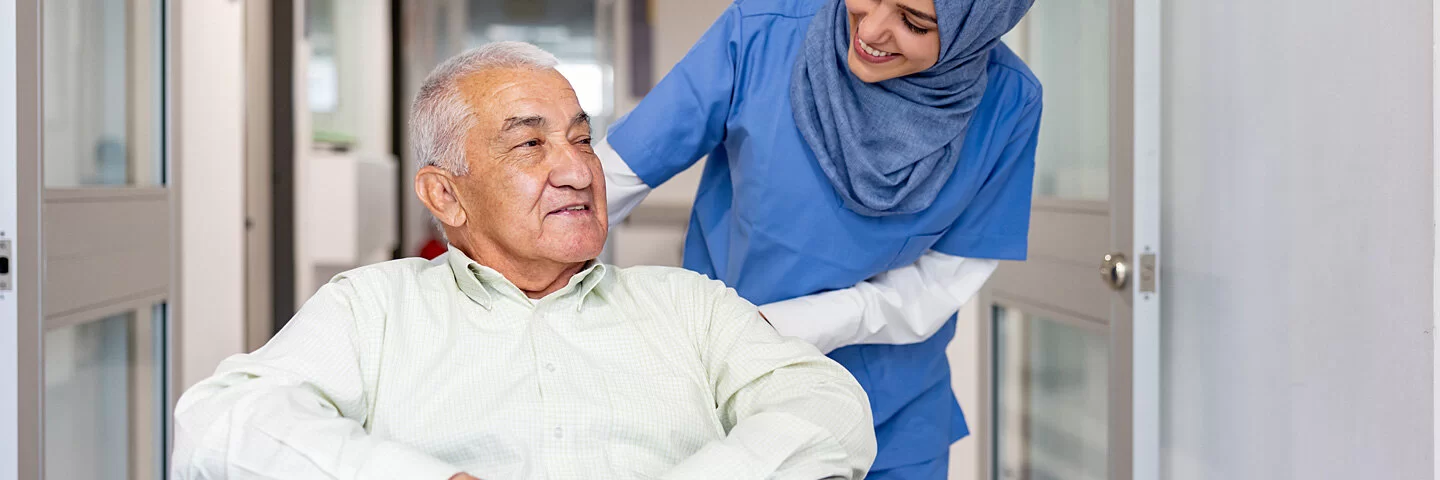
x=28, y=251
x=1435, y=253
x=1145, y=398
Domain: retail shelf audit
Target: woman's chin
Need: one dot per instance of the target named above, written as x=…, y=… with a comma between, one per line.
x=862, y=70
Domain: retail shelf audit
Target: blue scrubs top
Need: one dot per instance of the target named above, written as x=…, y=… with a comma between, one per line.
x=767, y=222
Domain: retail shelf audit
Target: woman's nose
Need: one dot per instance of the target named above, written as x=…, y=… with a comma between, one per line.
x=872, y=28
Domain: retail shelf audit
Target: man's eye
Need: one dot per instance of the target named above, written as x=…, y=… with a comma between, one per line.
x=584, y=141
x=531, y=143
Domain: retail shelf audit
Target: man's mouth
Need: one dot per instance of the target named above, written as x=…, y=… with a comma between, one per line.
x=575, y=209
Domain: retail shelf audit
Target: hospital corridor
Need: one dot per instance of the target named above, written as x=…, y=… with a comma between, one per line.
x=719, y=239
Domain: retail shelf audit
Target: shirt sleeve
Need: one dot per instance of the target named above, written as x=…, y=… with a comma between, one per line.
x=996, y=224
x=683, y=118
x=901, y=306
x=788, y=411
x=293, y=409
x=624, y=190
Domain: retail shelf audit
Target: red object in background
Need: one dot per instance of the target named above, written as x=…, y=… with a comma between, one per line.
x=433, y=248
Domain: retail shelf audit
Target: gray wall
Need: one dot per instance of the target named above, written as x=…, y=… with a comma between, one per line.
x=1299, y=229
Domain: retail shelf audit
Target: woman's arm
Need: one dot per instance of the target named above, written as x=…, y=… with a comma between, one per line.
x=623, y=188
x=901, y=306
x=679, y=122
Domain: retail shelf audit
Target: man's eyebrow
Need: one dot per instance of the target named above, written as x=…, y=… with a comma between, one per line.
x=580, y=118
x=922, y=15
x=532, y=121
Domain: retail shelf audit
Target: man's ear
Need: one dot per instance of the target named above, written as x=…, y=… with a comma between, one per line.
x=436, y=188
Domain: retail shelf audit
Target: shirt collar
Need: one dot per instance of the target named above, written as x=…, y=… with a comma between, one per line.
x=482, y=284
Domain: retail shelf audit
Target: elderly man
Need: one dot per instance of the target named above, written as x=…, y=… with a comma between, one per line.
x=515, y=354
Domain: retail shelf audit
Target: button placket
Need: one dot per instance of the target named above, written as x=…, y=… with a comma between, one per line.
x=555, y=416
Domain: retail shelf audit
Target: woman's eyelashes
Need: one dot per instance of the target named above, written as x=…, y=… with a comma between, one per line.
x=913, y=27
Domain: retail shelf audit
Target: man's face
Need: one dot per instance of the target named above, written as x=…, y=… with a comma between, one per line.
x=535, y=190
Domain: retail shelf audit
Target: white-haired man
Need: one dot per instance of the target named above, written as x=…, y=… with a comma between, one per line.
x=515, y=354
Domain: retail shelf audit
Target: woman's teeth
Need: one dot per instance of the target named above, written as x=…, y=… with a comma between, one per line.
x=871, y=50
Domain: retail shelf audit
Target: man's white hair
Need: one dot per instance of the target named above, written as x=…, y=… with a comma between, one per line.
x=440, y=116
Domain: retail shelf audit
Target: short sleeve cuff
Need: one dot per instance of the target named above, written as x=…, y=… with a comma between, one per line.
x=995, y=247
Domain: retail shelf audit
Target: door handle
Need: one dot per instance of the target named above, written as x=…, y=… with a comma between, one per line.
x=1115, y=271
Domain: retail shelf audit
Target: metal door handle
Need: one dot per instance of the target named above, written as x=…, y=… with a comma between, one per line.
x=1115, y=270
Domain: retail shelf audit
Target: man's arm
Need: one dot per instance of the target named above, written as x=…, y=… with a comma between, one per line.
x=788, y=411
x=293, y=409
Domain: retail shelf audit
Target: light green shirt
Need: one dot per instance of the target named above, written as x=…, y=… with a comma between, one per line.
x=416, y=369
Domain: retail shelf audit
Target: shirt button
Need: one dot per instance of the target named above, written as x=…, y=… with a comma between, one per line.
x=559, y=433
x=550, y=367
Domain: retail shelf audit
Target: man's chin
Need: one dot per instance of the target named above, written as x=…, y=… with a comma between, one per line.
x=576, y=250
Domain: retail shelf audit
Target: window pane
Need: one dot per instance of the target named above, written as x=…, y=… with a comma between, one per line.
x=1051, y=397
x=103, y=92
x=1067, y=45
x=104, y=398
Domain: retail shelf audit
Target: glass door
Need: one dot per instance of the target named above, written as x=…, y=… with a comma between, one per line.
x=1073, y=331
x=91, y=243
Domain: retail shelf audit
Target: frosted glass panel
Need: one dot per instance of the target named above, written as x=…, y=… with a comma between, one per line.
x=1067, y=45
x=1051, y=384
x=103, y=92
x=104, y=398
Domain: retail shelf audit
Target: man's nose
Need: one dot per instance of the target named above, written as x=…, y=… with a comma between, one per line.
x=570, y=168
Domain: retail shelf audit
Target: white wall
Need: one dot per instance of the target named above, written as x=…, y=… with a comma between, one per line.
x=211, y=180
x=1298, y=221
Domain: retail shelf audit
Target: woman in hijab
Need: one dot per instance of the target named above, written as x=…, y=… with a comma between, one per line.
x=869, y=161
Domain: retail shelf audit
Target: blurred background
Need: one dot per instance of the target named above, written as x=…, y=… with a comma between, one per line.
x=1256, y=179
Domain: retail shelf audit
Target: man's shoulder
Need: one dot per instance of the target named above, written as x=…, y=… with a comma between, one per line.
x=680, y=290
x=389, y=272
x=670, y=277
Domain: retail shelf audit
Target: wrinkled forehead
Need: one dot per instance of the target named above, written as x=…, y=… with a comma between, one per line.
x=496, y=95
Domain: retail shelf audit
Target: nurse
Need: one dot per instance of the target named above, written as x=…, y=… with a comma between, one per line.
x=869, y=161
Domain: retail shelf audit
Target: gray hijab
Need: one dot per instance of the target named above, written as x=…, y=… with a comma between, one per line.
x=889, y=146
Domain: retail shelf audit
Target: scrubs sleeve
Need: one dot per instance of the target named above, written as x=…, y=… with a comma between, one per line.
x=683, y=118
x=996, y=224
